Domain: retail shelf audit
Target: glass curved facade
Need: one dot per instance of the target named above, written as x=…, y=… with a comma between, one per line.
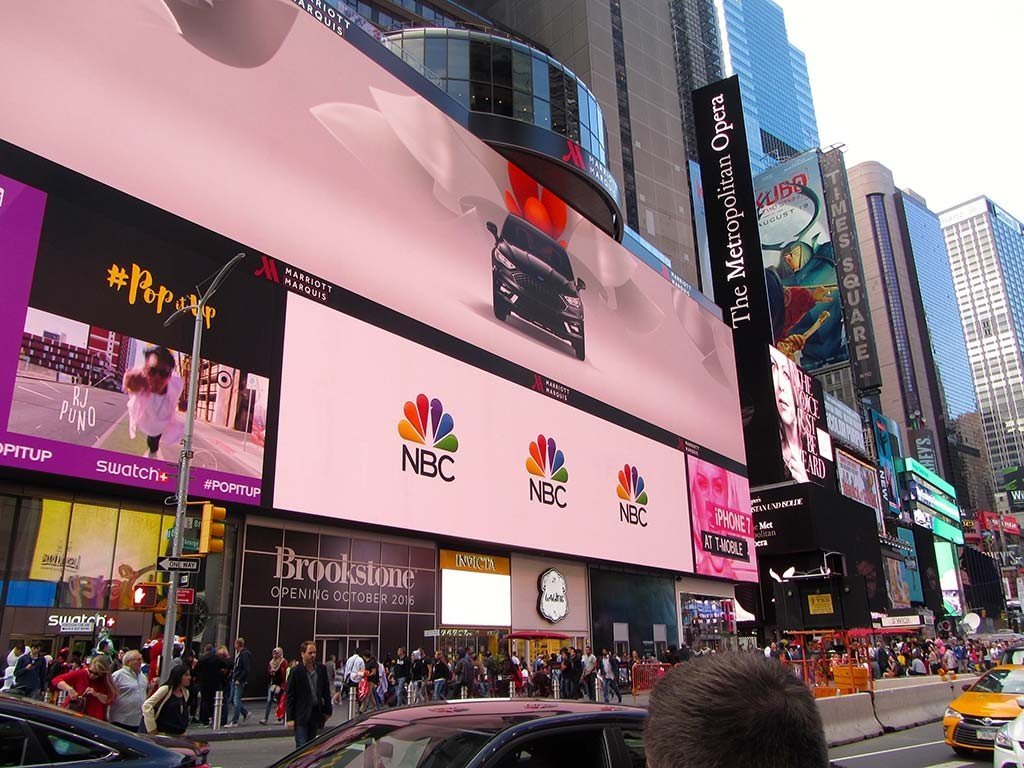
x=496, y=75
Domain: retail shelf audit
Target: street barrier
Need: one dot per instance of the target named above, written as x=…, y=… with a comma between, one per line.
x=848, y=718
x=644, y=676
x=898, y=708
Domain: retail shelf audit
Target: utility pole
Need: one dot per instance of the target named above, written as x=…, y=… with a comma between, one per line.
x=185, y=460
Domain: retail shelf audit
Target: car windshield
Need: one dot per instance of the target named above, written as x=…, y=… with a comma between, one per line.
x=435, y=743
x=518, y=233
x=1013, y=656
x=1001, y=681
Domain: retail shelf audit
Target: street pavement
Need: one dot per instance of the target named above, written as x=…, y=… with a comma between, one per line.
x=920, y=747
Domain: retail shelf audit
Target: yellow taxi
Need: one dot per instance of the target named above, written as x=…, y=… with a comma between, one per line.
x=972, y=720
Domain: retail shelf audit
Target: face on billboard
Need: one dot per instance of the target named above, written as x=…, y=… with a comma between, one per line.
x=806, y=448
x=723, y=527
x=428, y=220
x=800, y=267
x=93, y=383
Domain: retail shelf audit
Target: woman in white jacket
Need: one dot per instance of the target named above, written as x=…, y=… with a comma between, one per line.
x=166, y=711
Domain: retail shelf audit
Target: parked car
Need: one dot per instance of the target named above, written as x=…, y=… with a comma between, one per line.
x=32, y=733
x=973, y=720
x=533, y=278
x=483, y=733
x=1013, y=655
x=1009, y=744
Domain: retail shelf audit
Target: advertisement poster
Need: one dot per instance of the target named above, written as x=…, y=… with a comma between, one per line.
x=949, y=581
x=799, y=264
x=859, y=481
x=723, y=526
x=887, y=449
x=899, y=592
x=803, y=434
x=92, y=384
x=911, y=566
x=1012, y=482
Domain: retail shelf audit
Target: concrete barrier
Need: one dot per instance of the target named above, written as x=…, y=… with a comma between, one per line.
x=848, y=718
x=898, y=708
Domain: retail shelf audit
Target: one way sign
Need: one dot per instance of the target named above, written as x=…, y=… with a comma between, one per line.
x=179, y=564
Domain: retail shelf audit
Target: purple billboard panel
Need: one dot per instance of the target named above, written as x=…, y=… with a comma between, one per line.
x=91, y=384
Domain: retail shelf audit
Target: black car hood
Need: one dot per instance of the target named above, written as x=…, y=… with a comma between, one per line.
x=530, y=264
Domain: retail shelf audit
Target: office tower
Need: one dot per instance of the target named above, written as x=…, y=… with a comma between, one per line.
x=943, y=318
x=972, y=470
x=624, y=50
x=910, y=392
x=698, y=56
x=985, y=245
x=777, y=103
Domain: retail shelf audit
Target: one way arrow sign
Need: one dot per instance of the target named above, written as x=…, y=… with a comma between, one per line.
x=178, y=564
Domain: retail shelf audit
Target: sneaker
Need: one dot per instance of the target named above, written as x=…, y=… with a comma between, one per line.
x=230, y=725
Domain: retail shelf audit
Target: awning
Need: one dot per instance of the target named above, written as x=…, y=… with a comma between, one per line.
x=529, y=634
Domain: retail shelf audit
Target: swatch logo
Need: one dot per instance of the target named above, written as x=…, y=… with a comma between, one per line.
x=632, y=491
x=427, y=424
x=547, y=465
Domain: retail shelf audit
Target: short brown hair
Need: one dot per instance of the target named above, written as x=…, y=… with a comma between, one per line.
x=733, y=709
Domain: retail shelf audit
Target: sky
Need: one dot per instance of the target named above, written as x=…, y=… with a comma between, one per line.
x=929, y=88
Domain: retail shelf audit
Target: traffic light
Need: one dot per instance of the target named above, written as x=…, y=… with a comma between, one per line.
x=145, y=595
x=211, y=533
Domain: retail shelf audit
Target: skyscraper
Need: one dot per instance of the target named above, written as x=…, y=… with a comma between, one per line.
x=777, y=103
x=985, y=245
x=910, y=390
x=698, y=56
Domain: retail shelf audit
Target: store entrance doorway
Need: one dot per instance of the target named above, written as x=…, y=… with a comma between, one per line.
x=343, y=647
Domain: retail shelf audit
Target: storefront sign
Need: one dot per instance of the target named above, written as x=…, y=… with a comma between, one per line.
x=820, y=605
x=476, y=589
x=553, y=595
x=80, y=624
x=903, y=621
x=467, y=561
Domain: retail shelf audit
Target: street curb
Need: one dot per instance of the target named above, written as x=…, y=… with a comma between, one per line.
x=238, y=734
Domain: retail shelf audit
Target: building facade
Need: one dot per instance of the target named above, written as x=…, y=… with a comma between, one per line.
x=910, y=393
x=777, y=103
x=985, y=245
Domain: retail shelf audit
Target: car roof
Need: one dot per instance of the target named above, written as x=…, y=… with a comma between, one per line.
x=537, y=708
x=77, y=723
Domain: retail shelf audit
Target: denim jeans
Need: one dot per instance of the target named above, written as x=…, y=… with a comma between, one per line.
x=271, y=704
x=306, y=732
x=439, y=690
x=611, y=685
x=400, y=692
x=237, y=708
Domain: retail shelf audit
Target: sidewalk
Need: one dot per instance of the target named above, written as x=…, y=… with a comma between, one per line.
x=251, y=729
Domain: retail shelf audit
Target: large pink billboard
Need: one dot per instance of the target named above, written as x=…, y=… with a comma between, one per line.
x=723, y=525
x=420, y=263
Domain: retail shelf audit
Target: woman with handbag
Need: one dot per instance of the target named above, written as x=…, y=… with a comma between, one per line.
x=277, y=670
x=89, y=690
x=166, y=711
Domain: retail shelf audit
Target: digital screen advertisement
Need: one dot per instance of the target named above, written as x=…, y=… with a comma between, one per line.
x=859, y=481
x=429, y=221
x=723, y=525
x=93, y=383
x=799, y=264
x=887, y=450
x=446, y=319
x=803, y=434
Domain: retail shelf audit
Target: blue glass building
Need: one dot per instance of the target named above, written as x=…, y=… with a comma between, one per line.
x=777, y=104
x=928, y=249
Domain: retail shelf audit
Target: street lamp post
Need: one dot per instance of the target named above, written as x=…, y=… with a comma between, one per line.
x=185, y=460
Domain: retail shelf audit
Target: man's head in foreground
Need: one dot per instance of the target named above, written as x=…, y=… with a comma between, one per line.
x=733, y=709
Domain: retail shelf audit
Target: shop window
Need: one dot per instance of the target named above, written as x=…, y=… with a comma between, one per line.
x=458, y=57
x=502, y=104
x=480, y=61
x=435, y=55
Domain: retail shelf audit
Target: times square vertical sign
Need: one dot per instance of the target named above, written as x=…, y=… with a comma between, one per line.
x=737, y=271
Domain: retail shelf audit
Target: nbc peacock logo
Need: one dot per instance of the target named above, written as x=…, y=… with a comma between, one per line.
x=632, y=492
x=430, y=431
x=546, y=465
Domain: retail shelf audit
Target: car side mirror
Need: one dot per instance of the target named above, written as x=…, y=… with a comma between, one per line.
x=580, y=285
x=1020, y=702
x=967, y=686
x=493, y=229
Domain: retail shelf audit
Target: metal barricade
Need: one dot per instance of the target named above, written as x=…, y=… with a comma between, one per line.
x=645, y=675
x=218, y=709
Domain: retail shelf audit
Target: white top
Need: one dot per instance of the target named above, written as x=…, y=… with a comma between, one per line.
x=131, y=693
x=153, y=414
x=354, y=668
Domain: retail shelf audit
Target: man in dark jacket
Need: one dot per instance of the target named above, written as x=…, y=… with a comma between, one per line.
x=239, y=677
x=308, y=699
x=210, y=670
x=30, y=673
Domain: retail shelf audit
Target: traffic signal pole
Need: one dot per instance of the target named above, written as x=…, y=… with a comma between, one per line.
x=185, y=459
